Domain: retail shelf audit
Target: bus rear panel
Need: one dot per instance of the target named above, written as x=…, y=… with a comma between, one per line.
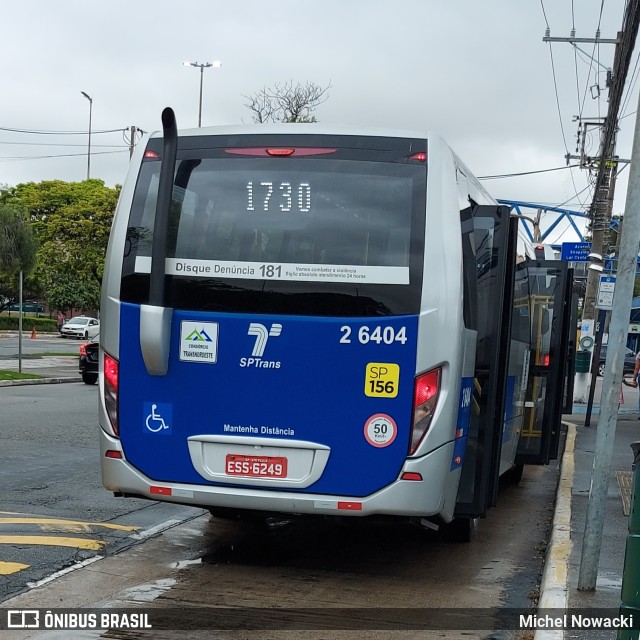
x=310, y=355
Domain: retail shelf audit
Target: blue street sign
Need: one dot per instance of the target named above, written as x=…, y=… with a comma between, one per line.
x=575, y=251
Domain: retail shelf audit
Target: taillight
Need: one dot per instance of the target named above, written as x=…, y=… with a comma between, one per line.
x=280, y=151
x=83, y=349
x=425, y=396
x=111, y=390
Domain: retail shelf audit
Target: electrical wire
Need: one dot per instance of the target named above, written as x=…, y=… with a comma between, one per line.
x=59, y=144
x=630, y=87
x=62, y=133
x=526, y=173
x=61, y=155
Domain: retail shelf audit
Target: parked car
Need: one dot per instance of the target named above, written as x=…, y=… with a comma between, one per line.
x=88, y=362
x=80, y=327
x=629, y=361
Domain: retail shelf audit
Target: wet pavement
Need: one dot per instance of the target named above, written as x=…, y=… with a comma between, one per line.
x=563, y=557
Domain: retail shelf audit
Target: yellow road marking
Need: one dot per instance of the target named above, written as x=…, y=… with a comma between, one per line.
x=7, y=568
x=53, y=541
x=67, y=523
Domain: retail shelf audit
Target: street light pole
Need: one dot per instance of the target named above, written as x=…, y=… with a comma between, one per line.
x=88, y=97
x=202, y=66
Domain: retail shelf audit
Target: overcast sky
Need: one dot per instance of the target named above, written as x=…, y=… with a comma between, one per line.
x=476, y=72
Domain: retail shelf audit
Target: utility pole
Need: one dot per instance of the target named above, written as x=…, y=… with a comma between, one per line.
x=537, y=235
x=133, y=131
x=618, y=331
x=601, y=207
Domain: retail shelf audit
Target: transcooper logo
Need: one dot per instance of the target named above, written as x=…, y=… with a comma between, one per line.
x=199, y=341
x=262, y=334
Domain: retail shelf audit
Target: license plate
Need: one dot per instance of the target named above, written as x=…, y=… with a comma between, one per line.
x=256, y=466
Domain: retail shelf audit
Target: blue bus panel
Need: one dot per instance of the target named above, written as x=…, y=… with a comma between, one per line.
x=343, y=383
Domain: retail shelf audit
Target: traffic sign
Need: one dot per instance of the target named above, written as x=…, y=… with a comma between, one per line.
x=575, y=251
x=606, y=287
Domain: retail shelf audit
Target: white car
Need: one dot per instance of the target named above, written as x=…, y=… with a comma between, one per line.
x=80, y=327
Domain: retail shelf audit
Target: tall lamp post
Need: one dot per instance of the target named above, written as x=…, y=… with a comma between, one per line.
x=88, y=97
x=202, y=66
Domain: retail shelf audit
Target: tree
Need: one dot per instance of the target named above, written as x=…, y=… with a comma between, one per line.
x=71, y=221
x=286, y=102
x=17, y=253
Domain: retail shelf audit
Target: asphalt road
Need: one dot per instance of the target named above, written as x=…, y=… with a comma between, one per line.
x=42, y=344
x=53, y=508
x=298, y=576
x=54, y=513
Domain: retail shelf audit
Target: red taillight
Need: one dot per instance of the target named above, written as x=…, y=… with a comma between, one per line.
x=111, y=390
x=421, y=156
x=279, y=151
x=83, y=349
x=113, y=454
x=425, y=396
x=546, y=360
x=151, y=155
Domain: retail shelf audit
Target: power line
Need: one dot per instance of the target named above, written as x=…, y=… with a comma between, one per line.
x=61, y=155
x=61, y=133
x=527, y=173
x=555, y=86
x=59, y=144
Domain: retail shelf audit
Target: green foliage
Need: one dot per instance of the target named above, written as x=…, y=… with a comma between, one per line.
x=10, y=323
x=17, y=252
x=71, y=221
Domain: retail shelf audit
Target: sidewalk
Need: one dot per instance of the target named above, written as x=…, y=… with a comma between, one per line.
x=559, y=588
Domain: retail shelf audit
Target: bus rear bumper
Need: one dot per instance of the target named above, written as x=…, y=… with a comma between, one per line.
x=409, y=498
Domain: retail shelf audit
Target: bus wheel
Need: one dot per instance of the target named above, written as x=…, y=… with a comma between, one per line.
x=461, y=529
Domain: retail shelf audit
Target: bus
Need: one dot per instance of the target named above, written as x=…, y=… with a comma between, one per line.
x=300, y=319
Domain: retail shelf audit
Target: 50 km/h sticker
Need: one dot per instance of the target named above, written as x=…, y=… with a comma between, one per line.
x=381, y=380
x=380, y=430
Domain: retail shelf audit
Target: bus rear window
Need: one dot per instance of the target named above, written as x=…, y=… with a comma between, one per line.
x=297, y=235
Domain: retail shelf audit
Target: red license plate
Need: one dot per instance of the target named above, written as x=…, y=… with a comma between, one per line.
x=256, y=466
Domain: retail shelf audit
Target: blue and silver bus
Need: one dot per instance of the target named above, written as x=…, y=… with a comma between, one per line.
x=301, y=319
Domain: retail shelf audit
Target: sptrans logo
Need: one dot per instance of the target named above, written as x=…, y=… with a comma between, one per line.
x=262, y=335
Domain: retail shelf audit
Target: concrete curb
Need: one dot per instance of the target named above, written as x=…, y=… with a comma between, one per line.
x=554, y=591
x=17, y=383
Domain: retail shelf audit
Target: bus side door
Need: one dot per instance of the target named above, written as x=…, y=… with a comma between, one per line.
x=550, y=293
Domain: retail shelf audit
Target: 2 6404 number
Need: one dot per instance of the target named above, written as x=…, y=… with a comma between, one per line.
x=379, y=335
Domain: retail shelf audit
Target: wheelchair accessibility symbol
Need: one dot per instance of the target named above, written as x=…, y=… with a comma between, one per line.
x=158, y=417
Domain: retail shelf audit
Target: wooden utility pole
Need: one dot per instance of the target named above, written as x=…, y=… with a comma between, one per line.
x=132, y=139
x=606, y=163
x=602, y=205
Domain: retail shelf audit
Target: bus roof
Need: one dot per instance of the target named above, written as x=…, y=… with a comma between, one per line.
x=302, y=128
